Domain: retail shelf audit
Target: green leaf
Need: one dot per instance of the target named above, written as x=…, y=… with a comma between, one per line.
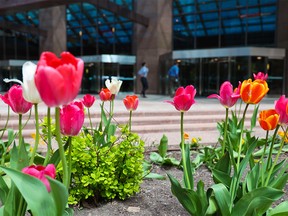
x=59, y=194
x=256, y=202
x=171, y=161
x=156, y=158
x=4, y=190
x=254, y=117
x=221, y=177
x=280, y=210
x=189, y=173
x=163, y=146
x=155, y=176
x=188, y=198
x=253, y=178
x=280, y=182
x=34, y=192
x=222, y=197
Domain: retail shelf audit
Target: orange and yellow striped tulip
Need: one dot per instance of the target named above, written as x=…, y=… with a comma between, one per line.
x=252, y=92
x=268, y=119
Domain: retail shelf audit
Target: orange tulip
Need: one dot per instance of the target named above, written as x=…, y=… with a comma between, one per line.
x=268, y=119
x=252, y=92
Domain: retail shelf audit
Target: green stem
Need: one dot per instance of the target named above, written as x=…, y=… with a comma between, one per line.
x=49, y=137
x=130, y=119
x=235, y=179
x=89, y=116
x=184, y=159
x=37, y=136
x=225, y=132
x=6, y=124
x=22, y=207
x=276, y=159
x=271, y=147
x=111, y=107
x=20, y=132
x=262, y=157
x=61, y=147
x=69, y=158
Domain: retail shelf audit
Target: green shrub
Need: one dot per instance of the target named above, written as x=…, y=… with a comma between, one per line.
x=106, y=171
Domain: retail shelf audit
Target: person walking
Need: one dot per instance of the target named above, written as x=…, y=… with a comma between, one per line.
x=143, y=72
x=173, y=74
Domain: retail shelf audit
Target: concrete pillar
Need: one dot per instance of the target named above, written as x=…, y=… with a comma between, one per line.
x=151, y=42
x=54, y=21
x=282, y=35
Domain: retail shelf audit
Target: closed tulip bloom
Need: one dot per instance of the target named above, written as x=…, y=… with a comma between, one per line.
x=41, y=172
x=131, y=102
x=71, y=119
x=268, y=119
x=58, y=80
x=88, y=100
x=184, y=98
x=113, y=86
x=281, y=107
x=252, y=92
x=14, y=98
x=261, y=76
x=227, y=96
x=105, y=94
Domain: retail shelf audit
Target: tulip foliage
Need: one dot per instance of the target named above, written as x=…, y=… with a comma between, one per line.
x=248, y=179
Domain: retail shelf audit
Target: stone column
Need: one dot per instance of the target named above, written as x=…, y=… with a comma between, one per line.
x=54, y=21
x=151, y=42
x=282, y=36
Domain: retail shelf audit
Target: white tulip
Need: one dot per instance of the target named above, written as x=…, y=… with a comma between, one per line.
x=30, y=92
x=114, y=85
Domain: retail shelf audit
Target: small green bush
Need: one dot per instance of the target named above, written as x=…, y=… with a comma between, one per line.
x=106, y=171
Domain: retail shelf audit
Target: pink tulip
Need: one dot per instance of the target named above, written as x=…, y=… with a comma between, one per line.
x=227, y=96
x=71, y=119
x=281, y=107
x=261, y=76
x=39, y=172
x=184, y=98
x=14, y=98
x=58, y=80
x=88, y=100
x=131, y=102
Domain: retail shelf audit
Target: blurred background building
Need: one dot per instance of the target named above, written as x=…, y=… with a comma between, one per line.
x=214, y=40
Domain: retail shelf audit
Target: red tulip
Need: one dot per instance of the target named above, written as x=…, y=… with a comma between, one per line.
x=39, y=172
x=261, y=76
x=14, y=98
x=184, y=98
x=131, y=102
x=227, y=96
x=88, y=100
x=105, y=94
x=71, y=119
x=58, y=80
x=281, y=107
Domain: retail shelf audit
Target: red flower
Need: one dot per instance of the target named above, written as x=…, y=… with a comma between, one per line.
x=88, y=100
x=184, y=98
x=39, y=172
x=268, y=119
x=227, y=96
x=14, y=98
x=131, y=102
x=71, y=119
x=58, y=80
x=261, y=76
x=281, y=107
x=105, y=94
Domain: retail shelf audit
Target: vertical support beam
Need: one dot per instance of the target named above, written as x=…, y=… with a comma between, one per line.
x=282, y=36
x=151, y=42
x=53, y=20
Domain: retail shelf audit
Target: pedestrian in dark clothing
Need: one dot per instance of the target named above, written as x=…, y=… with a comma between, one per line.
x=173, y=74
x=143, y=72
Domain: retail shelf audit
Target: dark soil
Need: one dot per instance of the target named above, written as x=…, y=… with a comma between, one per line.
x=155, y=197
